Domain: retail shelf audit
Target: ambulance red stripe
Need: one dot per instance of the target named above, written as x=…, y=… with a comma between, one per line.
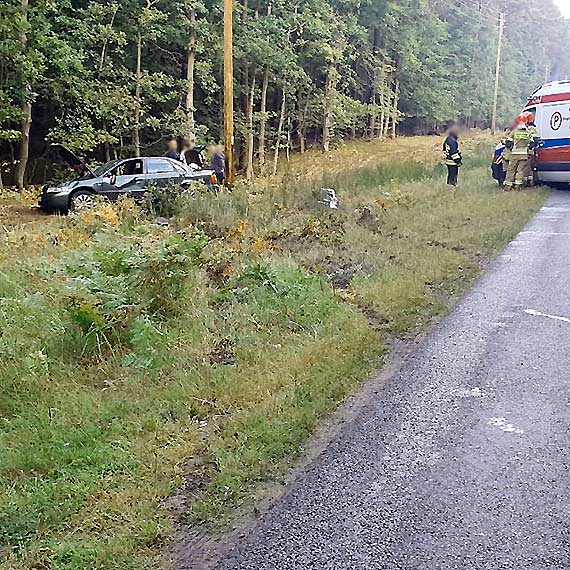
x=554, y=98
x=559, y=154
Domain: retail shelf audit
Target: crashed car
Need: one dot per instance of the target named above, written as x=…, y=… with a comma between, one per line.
x=131, y=176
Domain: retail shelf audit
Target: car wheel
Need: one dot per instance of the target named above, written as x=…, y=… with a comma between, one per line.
x=82, y=200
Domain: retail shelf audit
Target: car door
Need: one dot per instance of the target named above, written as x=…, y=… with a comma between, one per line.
x=162, y=172
x=128, y=177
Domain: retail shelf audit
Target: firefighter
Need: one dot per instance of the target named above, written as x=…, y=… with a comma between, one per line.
x=452, y=155
x=520, y=144
x=528, y=172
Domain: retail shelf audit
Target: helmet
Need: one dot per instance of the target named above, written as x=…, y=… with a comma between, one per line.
x=521, y=119
x=529, y=117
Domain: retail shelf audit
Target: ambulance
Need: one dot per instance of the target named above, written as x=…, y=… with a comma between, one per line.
x=551, y=107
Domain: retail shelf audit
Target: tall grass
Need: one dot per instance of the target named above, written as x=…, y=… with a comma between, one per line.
x=135, y=357
x=379, y=175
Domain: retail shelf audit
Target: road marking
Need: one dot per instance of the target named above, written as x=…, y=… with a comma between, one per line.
x=539, y=314
x=503, y=425
x=543, y=233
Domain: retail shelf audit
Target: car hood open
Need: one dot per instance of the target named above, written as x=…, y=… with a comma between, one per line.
x=63, y=153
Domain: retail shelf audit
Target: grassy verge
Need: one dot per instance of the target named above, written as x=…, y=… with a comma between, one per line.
x=134, y=356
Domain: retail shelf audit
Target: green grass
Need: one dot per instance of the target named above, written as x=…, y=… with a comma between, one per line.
x=134, y=357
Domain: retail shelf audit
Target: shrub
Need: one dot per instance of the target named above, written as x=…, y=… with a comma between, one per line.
x=108, y=286
x=172, y=200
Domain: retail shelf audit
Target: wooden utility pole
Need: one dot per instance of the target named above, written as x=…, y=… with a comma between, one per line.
x=229, y=92
x=190, y=65
x=138, y=79
x=497, y=70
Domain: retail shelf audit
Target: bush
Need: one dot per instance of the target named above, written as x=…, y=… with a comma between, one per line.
x=108, y=286
x=172, y=200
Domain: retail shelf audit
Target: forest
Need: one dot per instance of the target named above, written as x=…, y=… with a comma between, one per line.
x=111, y=78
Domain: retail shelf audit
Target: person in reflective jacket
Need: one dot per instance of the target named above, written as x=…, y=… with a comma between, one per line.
x=452, y=155
x=521, y=144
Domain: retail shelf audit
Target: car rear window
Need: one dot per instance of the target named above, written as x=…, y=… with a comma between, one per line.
x=156, y=165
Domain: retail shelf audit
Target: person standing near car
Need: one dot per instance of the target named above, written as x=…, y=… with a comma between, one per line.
x=452, y=155
x=192, y=153
x=172, y=149
x=218, y=162
x=521, y=145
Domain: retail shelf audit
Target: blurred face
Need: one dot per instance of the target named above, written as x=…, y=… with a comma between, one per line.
x=172, y=145
x=454, y=130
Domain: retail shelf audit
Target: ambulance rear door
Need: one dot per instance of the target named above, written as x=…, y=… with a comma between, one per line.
x=553, y=122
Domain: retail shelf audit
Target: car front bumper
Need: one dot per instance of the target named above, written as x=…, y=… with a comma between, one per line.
x=54, y=201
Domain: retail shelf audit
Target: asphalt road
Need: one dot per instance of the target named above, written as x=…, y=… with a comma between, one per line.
x=462, y=460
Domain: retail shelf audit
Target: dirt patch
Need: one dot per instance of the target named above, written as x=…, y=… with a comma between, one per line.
x=16, y=214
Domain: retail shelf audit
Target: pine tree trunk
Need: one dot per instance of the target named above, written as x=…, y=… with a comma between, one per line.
x=191, y=62
x=263, y=111
x=372, y=119
x=395, y=108
x=279, y=133
x=302, y=128
x=26, y=109
x=250, y=135
x=388, y=114
x=106, y=145
x=382, y=115
x=374, y=86
x=241, y=144
x=26, y=125
x=138, y=76
x=327, y=115
x=288, y=147
x=106, y=42
x=263, y=118
x=386, y=106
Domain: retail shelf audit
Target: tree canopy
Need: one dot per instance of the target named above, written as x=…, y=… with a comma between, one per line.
x=114, y=79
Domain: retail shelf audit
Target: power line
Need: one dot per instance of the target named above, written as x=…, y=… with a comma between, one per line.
x=467, y=12
x=474, y=14
x=480, y=7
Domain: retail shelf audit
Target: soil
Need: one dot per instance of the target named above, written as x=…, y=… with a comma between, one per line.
x=16, y=214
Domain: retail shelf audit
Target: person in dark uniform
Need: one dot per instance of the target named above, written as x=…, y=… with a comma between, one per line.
x=452, y=155
x=218, y=162
x=172, y=149
x=192, y=153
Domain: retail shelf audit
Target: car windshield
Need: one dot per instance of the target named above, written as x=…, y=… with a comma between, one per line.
x=100, y=170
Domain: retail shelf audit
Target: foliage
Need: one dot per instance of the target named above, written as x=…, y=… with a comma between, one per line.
x=167, y=201
x=362, y=66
